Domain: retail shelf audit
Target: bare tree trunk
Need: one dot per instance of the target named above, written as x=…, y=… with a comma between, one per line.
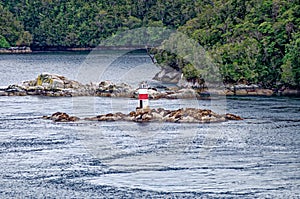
x=151, y=56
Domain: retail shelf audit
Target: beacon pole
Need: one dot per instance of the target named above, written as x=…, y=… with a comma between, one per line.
x=143, y=96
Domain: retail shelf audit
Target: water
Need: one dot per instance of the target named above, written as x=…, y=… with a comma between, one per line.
x=254, y=158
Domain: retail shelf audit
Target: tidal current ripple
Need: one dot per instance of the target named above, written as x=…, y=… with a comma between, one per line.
x=258, y=157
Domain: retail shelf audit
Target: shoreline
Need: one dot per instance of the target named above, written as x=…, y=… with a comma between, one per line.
x=229, y=90
x=54, y=85
x=16, y=50
x=28, y=50
x=109, y=89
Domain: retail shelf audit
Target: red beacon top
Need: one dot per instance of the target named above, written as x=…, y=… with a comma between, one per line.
x=143, y=95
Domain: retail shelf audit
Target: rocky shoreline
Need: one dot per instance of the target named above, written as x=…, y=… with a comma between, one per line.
x=186, y=115
x=59, y=86
x=15, y=50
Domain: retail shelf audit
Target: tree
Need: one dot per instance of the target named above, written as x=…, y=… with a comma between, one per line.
x=291, y=63
x=3, y=42
x=10, y=28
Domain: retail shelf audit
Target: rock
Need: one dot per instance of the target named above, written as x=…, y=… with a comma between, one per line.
x=245, y=86
x=53, y=81
x=22, y=93
x=156, y=116
x=264, y=92
x=187, y=115
x=188, y=119
x=61, y=117
x=195, y=83
x=229, y=93
x=290, y=92
x=14, y=88
x=3, y=93
x=146, y=117
x=232, y=117
x=183, y=94
x=106, y=86
x=16, y=50
x=154, y=94
x=241, y=92
x=72, y=84
x=51, y=85
x=168, y=74
x=220, y=92
x=73, y=119
x=108, y=117
x=132, y=114
x=109, y=89
x=29, y=83
x=244, y=89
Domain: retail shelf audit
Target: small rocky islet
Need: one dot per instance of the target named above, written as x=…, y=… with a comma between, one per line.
x=53, y=85
x=183, y=115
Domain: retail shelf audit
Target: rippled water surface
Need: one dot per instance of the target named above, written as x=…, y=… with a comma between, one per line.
x=254, y=158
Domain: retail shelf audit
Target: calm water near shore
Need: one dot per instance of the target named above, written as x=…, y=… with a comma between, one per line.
x=258, y=157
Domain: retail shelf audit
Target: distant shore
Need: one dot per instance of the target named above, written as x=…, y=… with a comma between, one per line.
x=54, y=85
x=25, y=50
x=231, y=90
x=15, y=50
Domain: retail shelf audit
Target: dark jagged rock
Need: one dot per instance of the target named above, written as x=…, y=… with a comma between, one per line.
x=186, y=115
x=230, y=116
x=61, y=117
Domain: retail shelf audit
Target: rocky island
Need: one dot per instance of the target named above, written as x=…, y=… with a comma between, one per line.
x=59, y=86
x=186, y=115
x=54, y=85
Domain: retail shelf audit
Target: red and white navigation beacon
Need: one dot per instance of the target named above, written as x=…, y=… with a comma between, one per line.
x=143, y=96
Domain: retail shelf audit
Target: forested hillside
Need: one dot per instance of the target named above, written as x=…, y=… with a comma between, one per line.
x=255, y=41
x=81, y=23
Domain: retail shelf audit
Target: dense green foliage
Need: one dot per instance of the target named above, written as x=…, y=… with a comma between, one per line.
x=83, y=23
x=3, y=42
x=255, y=41
x=251, y=41
x=11, y=30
